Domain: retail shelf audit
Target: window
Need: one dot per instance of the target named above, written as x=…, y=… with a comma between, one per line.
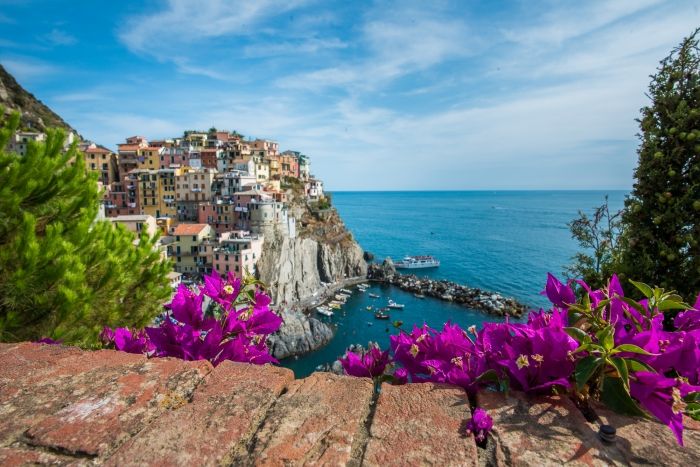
x=177, y=237
x=194, y=238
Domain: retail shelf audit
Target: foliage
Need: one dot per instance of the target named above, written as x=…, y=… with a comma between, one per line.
x=237, y=330
x=661, y=224
x=603, y=346
x=62, y=273
x=597, y=235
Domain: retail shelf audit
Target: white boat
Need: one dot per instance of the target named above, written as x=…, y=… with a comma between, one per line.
x=373, y=295
x=349, y=292
x=417, y=262
x=394, y=305
x=324, y=311
x=341, y=297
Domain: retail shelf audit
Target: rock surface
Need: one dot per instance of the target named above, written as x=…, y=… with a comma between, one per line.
x=298, y=334
x=64, y=406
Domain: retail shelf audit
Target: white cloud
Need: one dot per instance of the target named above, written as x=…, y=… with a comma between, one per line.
x=26, y=69
x=59, y=37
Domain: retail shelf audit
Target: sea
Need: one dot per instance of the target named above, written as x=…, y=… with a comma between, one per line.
x=500, y=241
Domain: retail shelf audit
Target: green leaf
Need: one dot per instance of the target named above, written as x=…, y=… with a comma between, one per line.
x=692, y=397
x=579, y=335
x=645, y=289
x=605, y=337
x=665, y=305
x=616, y=396
x=631, y=348
x=621, y=367
x=693, y=410
x=585, y=369
x=634, y=305
x=488, y=376
x=635, y=365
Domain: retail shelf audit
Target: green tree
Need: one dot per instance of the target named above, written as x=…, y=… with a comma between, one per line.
x=63, y=274
x=598, y=236
x=661, y=222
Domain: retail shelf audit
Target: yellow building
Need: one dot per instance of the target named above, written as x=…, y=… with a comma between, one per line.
x=157, y=194
x=191, y=248
x=102, y=161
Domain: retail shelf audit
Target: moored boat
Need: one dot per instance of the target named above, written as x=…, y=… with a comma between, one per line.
x=373, y=295
x=394, y=305
x=380, y=315
x=417, y=262
x=346, y=291
x=419, y=295
x=324, y=311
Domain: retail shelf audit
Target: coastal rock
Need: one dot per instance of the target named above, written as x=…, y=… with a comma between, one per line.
x=298, y=334
x=477, y=299
x=368, y=256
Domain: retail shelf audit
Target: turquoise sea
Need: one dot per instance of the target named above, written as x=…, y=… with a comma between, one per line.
x=502, y=241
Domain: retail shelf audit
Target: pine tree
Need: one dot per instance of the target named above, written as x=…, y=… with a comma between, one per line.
x=661, y=224
x=63, y=274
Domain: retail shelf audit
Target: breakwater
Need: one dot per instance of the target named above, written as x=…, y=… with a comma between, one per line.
x=474, y=298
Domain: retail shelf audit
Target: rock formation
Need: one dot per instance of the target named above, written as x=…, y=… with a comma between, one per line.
x=488, y=302
x=299, y=334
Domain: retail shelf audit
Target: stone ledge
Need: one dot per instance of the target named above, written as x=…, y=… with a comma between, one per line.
x=64, y=406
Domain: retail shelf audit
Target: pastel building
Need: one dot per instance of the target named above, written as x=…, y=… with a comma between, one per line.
x=219, y=214
x=192, y=186
x=137, y=224
x=191, y=255
x=237, y=252
x=102, y=161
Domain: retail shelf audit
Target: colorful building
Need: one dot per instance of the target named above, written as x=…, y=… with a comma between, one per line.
x=237, y=252
x=191, y=255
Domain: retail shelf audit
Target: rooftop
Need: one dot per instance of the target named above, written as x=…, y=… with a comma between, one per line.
x=189, y=229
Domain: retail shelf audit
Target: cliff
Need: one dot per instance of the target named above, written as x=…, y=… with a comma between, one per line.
x=323, y=251
x=35, y=115
x=299, y=334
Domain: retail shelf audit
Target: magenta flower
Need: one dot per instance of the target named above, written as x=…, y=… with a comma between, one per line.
x=186, y=307
x=559, y=294
x=223, y=292
x=368, y=365
x=48, y=341
x=131, y=342
x=480, y=425
x=400, y=376
x=663, y=398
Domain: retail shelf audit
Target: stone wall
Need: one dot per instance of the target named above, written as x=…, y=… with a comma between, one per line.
x=60, y=406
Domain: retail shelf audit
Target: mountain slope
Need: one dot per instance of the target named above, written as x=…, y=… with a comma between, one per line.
x=35, y=115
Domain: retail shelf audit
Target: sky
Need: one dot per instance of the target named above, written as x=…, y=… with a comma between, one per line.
x=409, y=95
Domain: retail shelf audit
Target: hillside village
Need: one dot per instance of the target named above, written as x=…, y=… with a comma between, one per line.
x=213, y=196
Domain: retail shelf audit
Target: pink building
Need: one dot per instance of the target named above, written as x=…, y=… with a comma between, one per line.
x=237, y=252
x=221, y=216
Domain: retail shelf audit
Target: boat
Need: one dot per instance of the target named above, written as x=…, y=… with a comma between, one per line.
x=334, y=305
x=419, y=295
x=417, y=262
x=363, y=286
x=373, y=295
x=346, y=291
x=341, y=298
x=394, y=305
x=369, y=308
x=380, y=315
x=324, y=311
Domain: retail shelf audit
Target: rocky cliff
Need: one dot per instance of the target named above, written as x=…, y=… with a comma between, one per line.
x=35, y=115
x=299, y=334
x=323, y=251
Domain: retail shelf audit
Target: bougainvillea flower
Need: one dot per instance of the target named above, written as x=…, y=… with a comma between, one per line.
x=401, y=376
x=480, y=424
x=663, y=398
x=131, y=342
x=223, y=292
x=370, y=364
x=689, y=320
x=559, y=294
x=49, y=341
x=186, y=307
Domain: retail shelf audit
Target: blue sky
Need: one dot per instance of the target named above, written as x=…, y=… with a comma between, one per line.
x=382, y=95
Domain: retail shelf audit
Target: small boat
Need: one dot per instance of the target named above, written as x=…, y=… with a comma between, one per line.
x=380, y=315
x=369, y=308
x=417, y=262
x=346, y=291
x=363, y=286
x=369, y=323
x=324, y=311
x=341, y=298
x=373, y=295
x=394, y=305
x=419, y=295
x=335, y=306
